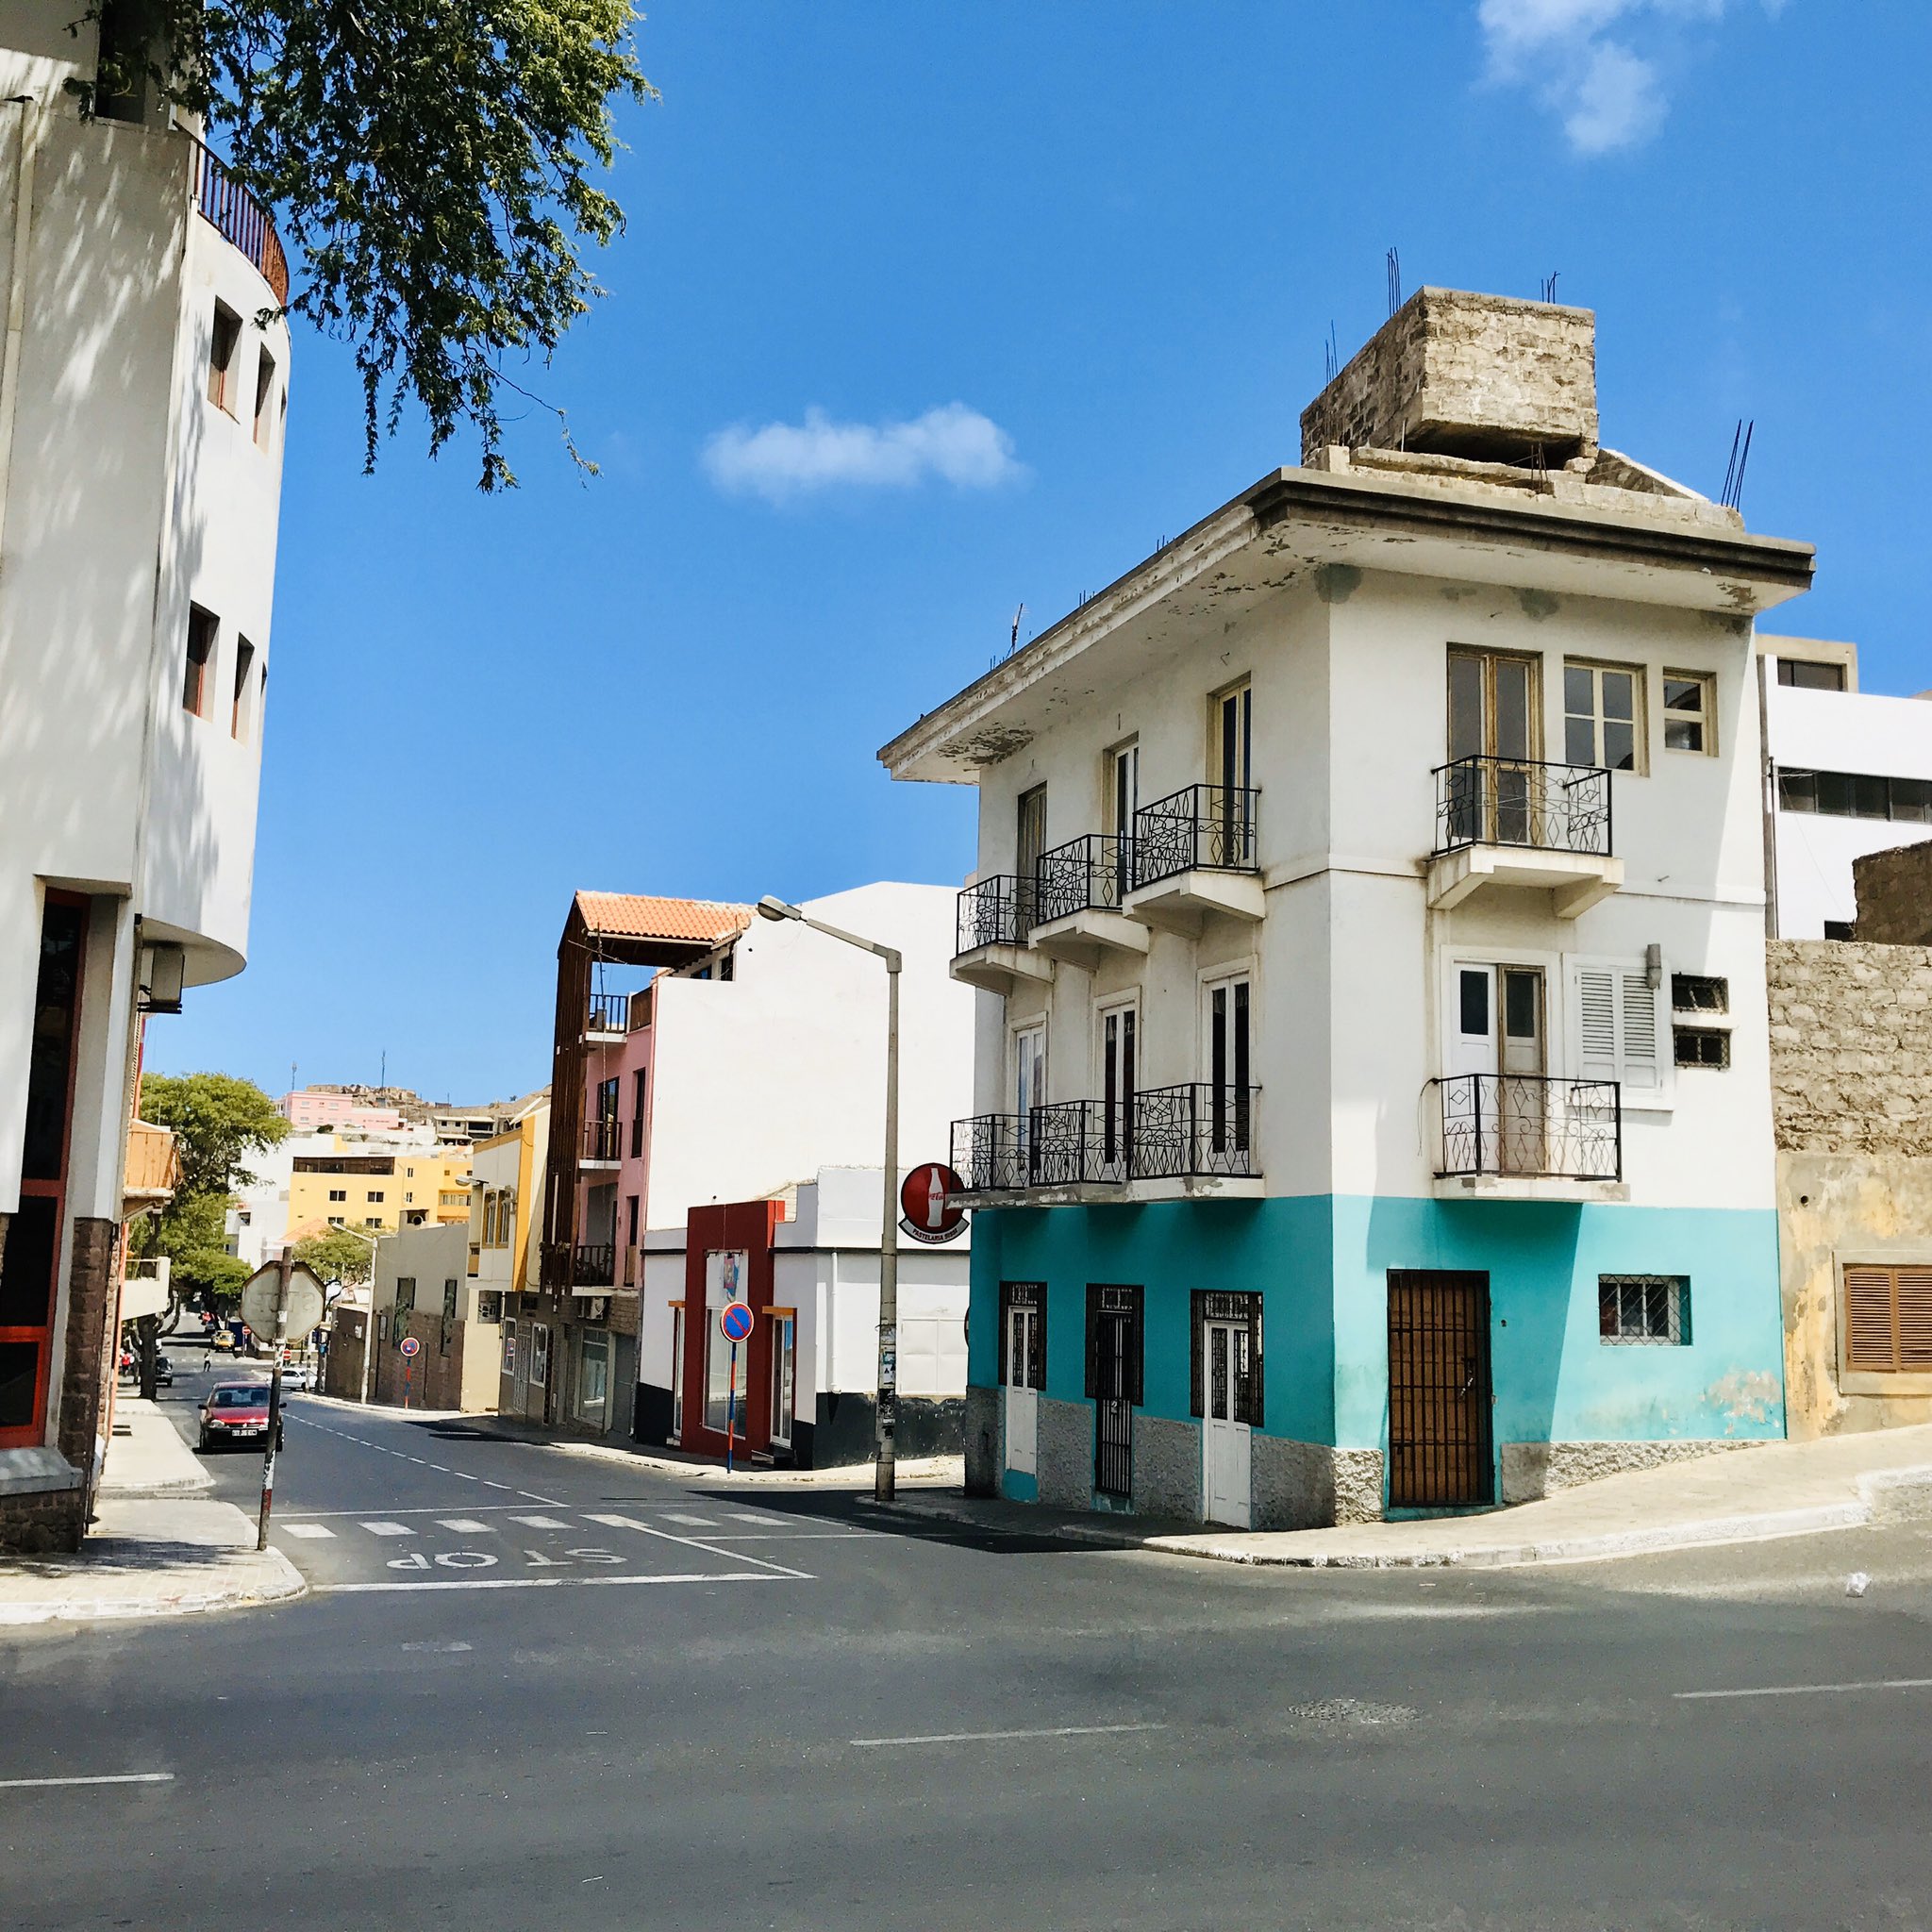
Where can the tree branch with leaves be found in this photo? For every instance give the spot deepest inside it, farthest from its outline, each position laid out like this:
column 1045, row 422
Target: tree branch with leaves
column 434, row 165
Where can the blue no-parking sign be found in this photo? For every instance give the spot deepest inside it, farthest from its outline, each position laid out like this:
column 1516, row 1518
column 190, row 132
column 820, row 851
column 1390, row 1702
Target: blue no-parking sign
column 735, row 1320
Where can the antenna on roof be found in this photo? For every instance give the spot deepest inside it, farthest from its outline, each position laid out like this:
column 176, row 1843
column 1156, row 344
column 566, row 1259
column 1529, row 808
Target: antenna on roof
column 1014, row 641
column 1732, row 494
column 1395, row 280
column 1331, row 357
column 1550, row 286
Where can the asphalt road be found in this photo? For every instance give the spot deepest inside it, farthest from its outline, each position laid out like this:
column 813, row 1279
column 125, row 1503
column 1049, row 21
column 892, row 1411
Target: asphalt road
column 535, row 1690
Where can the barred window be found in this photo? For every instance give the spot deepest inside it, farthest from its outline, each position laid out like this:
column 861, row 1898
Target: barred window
column 1701, row 1047
column 1644, row 1308
column 1699, row 992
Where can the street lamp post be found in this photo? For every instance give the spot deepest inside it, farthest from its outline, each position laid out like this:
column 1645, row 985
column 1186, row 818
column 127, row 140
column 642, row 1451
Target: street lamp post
column 885, row 1472
column 369, row 1319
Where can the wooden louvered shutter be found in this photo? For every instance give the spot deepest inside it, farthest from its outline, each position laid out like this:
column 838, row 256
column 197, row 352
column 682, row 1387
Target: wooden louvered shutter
column 1912, row 1291
column 1871, row 1326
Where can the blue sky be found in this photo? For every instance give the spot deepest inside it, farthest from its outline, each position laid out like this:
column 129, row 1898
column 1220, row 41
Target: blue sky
column 1115, row 238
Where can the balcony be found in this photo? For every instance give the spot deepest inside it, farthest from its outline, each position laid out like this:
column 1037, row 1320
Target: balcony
column 1193, row 855
column 1078, row 889
column 1166, row 1142
column 594, row 1265
column 993, row 921
column 153, row 1169
column 1518, row 1136
column 607, row 1020
column 227, row 206
column 601, row 1145
column 1517, row 822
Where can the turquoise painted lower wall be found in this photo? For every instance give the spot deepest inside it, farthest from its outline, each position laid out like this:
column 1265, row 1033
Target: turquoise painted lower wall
column 1322, row 1262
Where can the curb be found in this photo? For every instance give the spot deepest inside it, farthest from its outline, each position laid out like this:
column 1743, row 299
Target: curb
column 919, row 1509
column 75, row 1609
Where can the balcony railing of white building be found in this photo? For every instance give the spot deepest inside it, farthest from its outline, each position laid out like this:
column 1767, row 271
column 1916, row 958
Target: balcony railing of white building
column 998, row 911
column 1492, row 801
column 1192, row 1130
column 1529, row 1126
column 223, row 201
column 1198, row 828
column 1089, row 873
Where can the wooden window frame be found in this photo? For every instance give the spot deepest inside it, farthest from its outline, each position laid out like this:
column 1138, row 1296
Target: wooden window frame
column 1639, row 721
column 224, row 345
column 241, row 723
column 203, row 649
column 265, row 393
column 1706, row 719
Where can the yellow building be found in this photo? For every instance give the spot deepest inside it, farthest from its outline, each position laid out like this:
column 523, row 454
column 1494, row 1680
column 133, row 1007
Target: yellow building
column 506, row 1191
column 379, row 1190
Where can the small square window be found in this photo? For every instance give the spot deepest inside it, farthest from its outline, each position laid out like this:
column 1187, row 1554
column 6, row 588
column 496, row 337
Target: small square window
column 1699, row 992
column 1804, row 674
column 1603, row 716
column 1702, row 1046
column 1797, row 791
column 1652, row 1309
column 1841, row 929
column 1689, row 712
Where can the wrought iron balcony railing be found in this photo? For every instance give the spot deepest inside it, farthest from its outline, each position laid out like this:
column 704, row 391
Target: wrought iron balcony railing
column 990, row 1153
column 594, row 1265
column 1095, row 871
column 608, row 1012
column 241, row 218
column 1069, row 1142
column 1531, row 1126
column 1198, row 828
column 1198, row 1128
column 1485, row 801
column 996, row 912
column 603, row 1139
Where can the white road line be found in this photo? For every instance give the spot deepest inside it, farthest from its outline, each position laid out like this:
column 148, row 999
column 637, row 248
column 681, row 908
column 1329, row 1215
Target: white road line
column 692, row 1522
column 124, row 1778
column 421, row 1510
column 690, row 1542
column 1808, row 1689
column 549, row 1582
column 387, row 1528
column 468, row 1524
column 746, row 1516
column 1003, row 1737
column 489, row 1485
column 796, row 1536
column 309, row 1529
column 544, row 1522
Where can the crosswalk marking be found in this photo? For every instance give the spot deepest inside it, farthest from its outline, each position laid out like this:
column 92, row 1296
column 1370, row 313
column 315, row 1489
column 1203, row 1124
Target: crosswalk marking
column 692, row 1522
column 307, row 1529
column 543, row 1522
column 748, row 1516
column 692, row 1542
column 388, row 1529
column 468, row 1524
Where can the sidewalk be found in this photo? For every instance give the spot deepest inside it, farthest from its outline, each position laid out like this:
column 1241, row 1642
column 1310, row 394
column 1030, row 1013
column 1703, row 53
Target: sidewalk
column 1743, row 1495
column 160, row 1546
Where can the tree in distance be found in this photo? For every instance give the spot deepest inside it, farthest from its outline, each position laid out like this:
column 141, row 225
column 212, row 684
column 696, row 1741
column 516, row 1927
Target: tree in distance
column 336, row 1255
column 432, row 164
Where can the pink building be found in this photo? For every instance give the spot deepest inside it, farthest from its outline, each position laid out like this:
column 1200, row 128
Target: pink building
column 311, row 1110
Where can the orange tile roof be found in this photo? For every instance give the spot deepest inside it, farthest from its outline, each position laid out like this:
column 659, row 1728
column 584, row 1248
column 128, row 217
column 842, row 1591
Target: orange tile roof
column 637, row 916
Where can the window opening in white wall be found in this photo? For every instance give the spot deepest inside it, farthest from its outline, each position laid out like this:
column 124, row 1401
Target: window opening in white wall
column 1701, row 1047
column 223, row 344
column 1644, row 1308
column 1689, row 712
column 1603, row 716
column 1807, row 675
column 264, row 390
column 1699, row 992
column 1230, row 1061
column 244, row 664
column 196, row 676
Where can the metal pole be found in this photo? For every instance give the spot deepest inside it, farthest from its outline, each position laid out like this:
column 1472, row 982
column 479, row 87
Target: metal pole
column 731, row 1410
column 275, row 1400
column 886, row 1479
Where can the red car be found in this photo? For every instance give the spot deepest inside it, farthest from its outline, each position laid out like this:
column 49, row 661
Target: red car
column 236, row 1412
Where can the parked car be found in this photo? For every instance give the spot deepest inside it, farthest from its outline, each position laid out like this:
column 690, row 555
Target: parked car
column 236, row 1412
column 297, row 1376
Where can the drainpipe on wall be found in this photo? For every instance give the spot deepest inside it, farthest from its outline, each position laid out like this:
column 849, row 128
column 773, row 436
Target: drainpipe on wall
column 30, row 128
column 1768, row 794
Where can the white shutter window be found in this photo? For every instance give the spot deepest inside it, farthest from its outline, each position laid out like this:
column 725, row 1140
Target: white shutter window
column 1596, row 1019
column 1615, row 1028
column 1639, row 1014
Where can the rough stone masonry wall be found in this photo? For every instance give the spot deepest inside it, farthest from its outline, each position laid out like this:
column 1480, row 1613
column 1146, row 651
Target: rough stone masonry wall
column 1851, row 1069
column 1466, row 374
column 1895, row 895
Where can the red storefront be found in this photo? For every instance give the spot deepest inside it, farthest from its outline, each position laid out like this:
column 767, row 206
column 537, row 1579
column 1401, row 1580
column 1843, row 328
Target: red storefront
column 729, row 1254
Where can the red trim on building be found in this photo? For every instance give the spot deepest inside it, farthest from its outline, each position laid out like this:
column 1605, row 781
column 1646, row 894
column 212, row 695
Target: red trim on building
column 753, row 1226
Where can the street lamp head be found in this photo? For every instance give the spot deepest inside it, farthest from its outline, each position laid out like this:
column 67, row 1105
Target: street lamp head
column 769, row 908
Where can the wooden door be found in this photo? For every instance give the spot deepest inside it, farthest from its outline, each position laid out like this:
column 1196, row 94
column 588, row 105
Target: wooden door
column 1438, row 1389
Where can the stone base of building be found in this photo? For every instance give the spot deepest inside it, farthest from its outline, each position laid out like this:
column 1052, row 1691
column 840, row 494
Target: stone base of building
column 43, row 1503
column 1533, row 1470
column 982, row 1442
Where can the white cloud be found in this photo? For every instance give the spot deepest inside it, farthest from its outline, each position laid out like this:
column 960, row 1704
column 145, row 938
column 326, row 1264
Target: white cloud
column 781, row 460
column 1607, row 93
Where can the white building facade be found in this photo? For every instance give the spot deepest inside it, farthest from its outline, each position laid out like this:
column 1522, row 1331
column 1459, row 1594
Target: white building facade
column 1370, row 1073
column 141, row 414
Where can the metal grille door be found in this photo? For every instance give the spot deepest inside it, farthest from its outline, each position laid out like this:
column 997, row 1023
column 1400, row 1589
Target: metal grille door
column 1439, row 1389
column 1113, row 1436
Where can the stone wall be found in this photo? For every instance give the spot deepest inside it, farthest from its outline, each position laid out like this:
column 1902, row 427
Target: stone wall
column 88, row 1368
column 1466, row 374
column 1894, row 895
column 983, row 1444
column 42, row 1523
column 1851, row 1069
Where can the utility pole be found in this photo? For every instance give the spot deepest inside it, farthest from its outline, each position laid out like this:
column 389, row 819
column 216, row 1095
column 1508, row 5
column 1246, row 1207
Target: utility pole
column 275, row 1400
